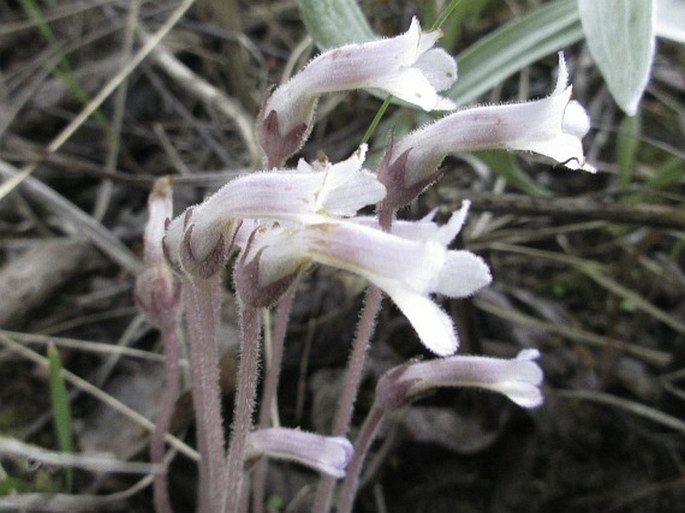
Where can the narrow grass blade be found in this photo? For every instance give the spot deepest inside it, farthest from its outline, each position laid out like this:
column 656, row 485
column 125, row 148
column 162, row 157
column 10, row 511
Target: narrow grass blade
column 61, row 411
column 335, row 22
column 627, row 144
column 63, row 70
column 597, row 272
column 670, row 173
column 514, row 46
column 504, row 164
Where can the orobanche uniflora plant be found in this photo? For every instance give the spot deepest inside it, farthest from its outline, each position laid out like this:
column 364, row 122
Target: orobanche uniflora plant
column 281, row 221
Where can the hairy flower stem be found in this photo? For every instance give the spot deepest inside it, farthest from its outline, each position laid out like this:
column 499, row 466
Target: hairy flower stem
column 353, row 378
column 244, row 406
column 169, row 397
column 368, row 431
column 202, row 303
column 271, row 379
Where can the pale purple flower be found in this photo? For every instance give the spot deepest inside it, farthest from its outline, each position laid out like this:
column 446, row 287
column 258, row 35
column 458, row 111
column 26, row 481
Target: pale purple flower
column 406, row 66
column 327, row 454
column 552, row 126
column 311, row 193
column 407, row 268
column 519, row 378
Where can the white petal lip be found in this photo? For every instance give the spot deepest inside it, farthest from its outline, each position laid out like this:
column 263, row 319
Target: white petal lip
column 462, row 274
column 424, row 229
column 347, row 187
column 433, row 326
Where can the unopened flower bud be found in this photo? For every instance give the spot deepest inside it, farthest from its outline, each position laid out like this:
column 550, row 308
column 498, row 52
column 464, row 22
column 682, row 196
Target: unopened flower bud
column 157, row 292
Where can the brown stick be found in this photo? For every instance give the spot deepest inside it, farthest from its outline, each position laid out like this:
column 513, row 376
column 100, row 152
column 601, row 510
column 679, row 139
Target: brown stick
column 644, row 214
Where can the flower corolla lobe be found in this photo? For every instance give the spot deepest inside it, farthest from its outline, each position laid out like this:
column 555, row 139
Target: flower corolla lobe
column 409, row 269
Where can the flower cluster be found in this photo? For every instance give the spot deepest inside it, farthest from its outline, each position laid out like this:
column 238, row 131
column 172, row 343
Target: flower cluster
column 282, row 220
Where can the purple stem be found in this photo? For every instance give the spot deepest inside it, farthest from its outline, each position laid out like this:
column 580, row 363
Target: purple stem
column 368, row 431
column 202, row 304
column 271, row 380
column 244, row 406
column 353, row 378
column 169, row 397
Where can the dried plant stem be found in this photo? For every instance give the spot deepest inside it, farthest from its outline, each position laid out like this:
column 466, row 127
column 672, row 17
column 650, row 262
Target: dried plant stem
column 353, row 378
column 368, row 431
column 207, row 93
column 171, row 391
column 244, row 406
column 106, row 188
column 202, row 303
column 79, row 222
column 97, row 393
column 104, row 93
column 271, row 379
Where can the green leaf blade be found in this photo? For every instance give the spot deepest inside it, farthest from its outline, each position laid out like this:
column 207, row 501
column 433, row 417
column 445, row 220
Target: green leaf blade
column 61, row 409
column 514, row 46
column 621, row 37
column 333, row 23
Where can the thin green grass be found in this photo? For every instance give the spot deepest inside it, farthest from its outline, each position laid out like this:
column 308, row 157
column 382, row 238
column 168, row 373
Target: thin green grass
column 63, row 69
column 61, row 411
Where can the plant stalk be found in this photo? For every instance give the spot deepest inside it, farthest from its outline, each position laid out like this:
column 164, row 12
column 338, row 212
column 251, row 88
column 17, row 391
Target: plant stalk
column 244, row 406
column 169, row 397
column 271, row 380
column 353, row 378
column 202, row 304
column 368, row 431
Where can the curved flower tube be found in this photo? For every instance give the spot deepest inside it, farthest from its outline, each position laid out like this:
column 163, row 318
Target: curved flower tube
column 406, row 66
column 552, row 126
column 518, row 378
column 407, row 269
column 327, row 454
column 311, row 193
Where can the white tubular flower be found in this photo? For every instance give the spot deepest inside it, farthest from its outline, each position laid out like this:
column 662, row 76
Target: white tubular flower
column 519, row 378
column 552, row 126
column 327, row 454
column 407, row 66
column 407, row 269
column 311, row 193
